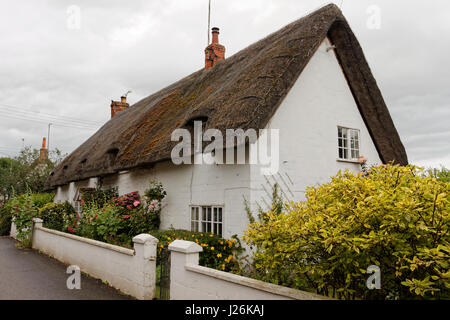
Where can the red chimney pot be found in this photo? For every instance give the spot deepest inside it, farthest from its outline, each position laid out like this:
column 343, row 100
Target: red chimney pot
column 215, row 51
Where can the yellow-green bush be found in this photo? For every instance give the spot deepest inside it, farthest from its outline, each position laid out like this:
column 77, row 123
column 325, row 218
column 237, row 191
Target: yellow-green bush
column 393, row 217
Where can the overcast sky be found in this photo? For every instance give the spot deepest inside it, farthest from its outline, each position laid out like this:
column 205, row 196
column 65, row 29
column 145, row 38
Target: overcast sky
column 54, row 69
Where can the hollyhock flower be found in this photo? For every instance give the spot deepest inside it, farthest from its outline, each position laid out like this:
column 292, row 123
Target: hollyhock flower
column 125, row 217
column 70, row 229
column 136, row 203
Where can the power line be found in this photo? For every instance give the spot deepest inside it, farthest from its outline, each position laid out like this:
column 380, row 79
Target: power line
column 43, row 114
column 56, row 123
column 47, row 119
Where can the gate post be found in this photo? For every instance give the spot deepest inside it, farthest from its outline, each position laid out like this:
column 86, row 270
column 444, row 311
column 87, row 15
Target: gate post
column 145, row 265
column 182, row 253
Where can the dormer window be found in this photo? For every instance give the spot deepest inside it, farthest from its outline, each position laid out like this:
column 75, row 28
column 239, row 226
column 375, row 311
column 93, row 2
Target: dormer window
column 348, row 144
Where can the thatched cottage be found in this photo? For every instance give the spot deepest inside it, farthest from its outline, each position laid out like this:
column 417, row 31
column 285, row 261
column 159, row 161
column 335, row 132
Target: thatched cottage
column 310, row 80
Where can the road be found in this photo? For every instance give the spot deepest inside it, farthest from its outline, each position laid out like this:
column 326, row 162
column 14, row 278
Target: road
column 26, row 274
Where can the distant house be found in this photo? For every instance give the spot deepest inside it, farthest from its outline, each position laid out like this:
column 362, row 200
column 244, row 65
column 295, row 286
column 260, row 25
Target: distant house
column 310, row 80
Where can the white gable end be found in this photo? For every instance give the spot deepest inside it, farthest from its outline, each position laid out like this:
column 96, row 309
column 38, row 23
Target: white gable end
column 308, row 121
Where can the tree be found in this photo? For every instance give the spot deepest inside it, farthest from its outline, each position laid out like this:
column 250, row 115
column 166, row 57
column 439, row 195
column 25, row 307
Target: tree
column 442, row 174
column 392, row 217
column 26, row 171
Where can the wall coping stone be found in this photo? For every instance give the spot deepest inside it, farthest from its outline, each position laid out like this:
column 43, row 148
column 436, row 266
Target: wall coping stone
column 256, row 284
column 100, row 244
column 185, row 246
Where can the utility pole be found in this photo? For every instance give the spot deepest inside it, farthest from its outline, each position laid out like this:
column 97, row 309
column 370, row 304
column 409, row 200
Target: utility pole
column 48, row 137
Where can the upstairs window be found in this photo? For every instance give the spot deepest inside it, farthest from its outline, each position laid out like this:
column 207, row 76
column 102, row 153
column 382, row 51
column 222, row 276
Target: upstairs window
column 208, row 219
column 348, row 144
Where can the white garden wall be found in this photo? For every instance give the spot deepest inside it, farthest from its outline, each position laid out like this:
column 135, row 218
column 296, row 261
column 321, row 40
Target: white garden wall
column 189, row 281
column 131, row 271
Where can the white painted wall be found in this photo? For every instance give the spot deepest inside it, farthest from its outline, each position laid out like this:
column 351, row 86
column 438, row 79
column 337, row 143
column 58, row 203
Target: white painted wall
column 189, row 281
column 131, row 271
column 308, row 118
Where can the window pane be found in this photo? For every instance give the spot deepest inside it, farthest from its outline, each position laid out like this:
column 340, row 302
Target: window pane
column 345, row 155
column 215, row 214
column 220, row 230
column 203, row 227
column 192, row 213
column 220, row 215
column 215, row 228
column 209, row 214
column 204, row 214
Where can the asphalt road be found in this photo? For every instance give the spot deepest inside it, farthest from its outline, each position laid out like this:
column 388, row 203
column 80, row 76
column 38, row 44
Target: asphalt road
column 26, row 274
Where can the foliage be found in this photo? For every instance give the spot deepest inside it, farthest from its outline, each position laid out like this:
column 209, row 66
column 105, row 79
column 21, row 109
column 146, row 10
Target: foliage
column 393, row 217
column 277, row 206
column 218, row 253
column 105, row 224
column 24, row 208
column 54, row 215
column 24, row 211
column 5, row 219
column 97, row 197
column 442, row 174
column 155, row 191
column 26, row 172
column 116, row 220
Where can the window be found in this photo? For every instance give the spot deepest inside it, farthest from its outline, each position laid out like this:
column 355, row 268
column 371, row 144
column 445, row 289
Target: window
column 77, row 202
column 348, row 143
column 207, row 219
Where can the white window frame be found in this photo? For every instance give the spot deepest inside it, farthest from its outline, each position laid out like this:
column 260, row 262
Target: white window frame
column 351, row 148
column 200, row 220
column 77, row 202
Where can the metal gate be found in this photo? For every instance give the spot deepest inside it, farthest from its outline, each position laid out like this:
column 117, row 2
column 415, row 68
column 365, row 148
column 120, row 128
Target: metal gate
column 163, row 281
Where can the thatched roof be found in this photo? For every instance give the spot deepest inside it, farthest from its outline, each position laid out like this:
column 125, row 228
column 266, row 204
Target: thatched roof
column 242, row 91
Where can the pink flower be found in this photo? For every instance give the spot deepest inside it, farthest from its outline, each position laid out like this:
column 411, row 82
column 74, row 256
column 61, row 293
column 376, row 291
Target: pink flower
column 70, row 229
column 136, row 203
column 125, row 217
column 361, row 159
column 128, row 205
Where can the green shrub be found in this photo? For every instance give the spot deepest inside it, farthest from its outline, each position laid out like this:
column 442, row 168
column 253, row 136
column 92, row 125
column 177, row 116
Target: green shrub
column 97, row 197
column 5, row 220
column 41, row 199
column 24, row 208
column 218, row 253
column 392, row 217
column 54, row 215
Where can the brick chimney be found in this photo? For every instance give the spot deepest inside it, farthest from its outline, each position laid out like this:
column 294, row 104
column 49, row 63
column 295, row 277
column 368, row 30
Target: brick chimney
column 215, row 51
column 117, row 106
column 43, row 151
